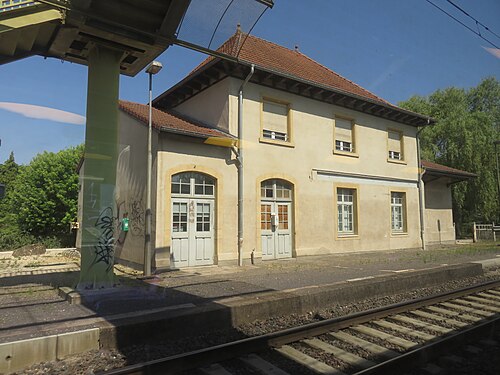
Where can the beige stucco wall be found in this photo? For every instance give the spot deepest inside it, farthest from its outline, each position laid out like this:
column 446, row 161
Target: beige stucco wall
column 183, row 154
column 210, row 106
column 313, row 144
column 438, row 206
column 131, row 188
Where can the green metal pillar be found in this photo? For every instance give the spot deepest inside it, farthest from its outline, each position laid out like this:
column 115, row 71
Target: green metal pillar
column 99, row 221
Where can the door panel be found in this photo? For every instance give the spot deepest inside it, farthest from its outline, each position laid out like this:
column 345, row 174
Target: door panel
column 180, row 235
column 203, row 234
column 283, row 232
column 267, row 246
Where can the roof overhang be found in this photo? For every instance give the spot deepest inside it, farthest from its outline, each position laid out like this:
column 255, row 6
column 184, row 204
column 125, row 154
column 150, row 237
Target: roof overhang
column 431, row 174
column 218, row 69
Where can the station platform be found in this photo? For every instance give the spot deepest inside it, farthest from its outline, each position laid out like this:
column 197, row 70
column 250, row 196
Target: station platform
column 42, row 315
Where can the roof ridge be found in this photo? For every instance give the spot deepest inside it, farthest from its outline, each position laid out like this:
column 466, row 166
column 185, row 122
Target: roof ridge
column 316, row 63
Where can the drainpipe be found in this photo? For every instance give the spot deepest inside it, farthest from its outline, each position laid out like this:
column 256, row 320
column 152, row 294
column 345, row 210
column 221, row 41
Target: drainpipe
column 240, row 166
column 421, row 190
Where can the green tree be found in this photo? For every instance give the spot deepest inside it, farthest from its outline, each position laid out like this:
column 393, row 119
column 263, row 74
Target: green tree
column 467, row 124
column 9, row 230
column 46, row 193
column 8, row 171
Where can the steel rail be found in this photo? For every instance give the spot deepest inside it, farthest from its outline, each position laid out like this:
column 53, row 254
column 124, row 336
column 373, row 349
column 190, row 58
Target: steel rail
column 434, row 349
column 223, row 352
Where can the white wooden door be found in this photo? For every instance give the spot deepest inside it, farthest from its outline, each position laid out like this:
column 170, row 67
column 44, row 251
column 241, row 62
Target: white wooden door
column 192, row 232
column 276, row 231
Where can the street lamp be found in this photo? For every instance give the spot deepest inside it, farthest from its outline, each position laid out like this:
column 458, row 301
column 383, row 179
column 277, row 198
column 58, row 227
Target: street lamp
column 153, row 68
column 497, row 142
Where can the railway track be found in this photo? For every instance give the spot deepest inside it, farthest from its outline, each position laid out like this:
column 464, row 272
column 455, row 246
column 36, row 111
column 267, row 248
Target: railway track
column 379, row 341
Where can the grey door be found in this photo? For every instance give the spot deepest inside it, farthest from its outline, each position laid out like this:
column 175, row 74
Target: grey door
column 192, row 220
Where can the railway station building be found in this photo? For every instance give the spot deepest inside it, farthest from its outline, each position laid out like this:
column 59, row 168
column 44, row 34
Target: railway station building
column 328, row 167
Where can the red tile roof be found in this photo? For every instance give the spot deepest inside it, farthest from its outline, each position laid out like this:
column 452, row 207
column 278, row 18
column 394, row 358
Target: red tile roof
column 169, row 121
column 435, row 167
column 271, row 56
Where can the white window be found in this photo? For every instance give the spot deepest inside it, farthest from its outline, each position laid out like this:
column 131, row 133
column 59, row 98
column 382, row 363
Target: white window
column 275, row 124
column 346, row 204
column 194, row 184
column 398, row 212
column 395, row 139
column 344, row 140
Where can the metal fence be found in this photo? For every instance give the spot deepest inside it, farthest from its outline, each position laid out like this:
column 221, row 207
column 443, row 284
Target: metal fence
column 485, row 232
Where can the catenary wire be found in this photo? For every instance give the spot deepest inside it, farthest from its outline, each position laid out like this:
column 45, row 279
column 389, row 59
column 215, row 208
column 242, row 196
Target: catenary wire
column 477, row 22
column 463, row 24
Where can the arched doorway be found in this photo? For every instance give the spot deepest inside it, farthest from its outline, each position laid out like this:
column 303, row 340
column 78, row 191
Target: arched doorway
column 276, row 219
column 192, row 220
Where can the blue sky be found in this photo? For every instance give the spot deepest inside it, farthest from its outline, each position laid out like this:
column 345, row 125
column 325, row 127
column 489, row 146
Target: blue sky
column 393, row 48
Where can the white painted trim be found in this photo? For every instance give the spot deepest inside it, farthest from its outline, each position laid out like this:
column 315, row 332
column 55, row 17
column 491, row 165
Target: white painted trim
column 363, row 180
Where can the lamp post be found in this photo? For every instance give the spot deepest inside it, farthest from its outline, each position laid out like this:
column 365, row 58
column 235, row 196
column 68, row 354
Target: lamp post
column 153, row 68
column 497, row 142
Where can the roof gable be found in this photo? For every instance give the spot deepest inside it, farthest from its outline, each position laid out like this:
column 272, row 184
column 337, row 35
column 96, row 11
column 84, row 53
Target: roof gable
column 287, row 70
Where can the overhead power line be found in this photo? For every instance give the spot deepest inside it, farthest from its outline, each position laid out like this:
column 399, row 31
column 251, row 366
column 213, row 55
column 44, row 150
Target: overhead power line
column 463, row 24
column 475, row 20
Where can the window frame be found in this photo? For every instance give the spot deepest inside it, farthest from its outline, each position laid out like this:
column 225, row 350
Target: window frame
column 193, row 185
column 401, row 159
column 289, row 141
column 404, row 210
column 353, row 152
column 340, row 234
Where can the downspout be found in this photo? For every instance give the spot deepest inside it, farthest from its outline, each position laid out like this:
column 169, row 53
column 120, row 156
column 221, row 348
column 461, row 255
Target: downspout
column 240, row 166
column 421, row 190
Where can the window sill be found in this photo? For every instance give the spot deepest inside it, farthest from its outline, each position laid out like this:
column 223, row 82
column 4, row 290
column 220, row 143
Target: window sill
column 347, row 236
column 396, row 161
column 346, row 153
column 276, row 142
column 399, row 234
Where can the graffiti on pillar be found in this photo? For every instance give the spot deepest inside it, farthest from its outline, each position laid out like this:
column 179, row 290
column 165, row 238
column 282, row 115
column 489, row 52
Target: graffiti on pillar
column 136, row 216
column 104, row 249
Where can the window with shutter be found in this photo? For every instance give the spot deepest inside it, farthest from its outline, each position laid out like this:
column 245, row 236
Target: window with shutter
column 395, row 139
column 344, row 140
column 275, row 121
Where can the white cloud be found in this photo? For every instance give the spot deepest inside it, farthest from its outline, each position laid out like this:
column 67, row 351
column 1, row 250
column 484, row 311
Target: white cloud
column 494, row 51
column 44, row 113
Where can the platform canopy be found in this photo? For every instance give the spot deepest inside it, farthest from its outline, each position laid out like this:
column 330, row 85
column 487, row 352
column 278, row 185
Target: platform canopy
column 141, row 29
